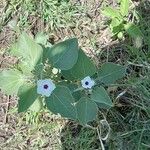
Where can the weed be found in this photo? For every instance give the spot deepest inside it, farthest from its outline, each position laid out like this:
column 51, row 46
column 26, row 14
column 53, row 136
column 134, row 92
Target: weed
column 129, row 119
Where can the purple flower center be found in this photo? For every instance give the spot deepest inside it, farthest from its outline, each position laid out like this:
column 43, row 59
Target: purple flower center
column 45, row 86
column 86, row 83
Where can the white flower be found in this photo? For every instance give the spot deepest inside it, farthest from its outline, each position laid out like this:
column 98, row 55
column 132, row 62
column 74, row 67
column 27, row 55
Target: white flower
column 45, row 87
column 87, row 83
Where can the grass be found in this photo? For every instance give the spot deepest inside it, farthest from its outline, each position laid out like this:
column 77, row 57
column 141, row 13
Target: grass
column 129, row 119
column 30, row 14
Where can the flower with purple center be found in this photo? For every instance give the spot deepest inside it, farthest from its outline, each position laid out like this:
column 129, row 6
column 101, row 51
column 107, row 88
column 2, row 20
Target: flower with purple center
column 87, row 83
column 45, row 87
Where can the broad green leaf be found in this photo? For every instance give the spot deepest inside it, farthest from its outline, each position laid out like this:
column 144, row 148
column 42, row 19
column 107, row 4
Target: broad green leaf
column 41, row 38
column 100, row 96
column 84, row 67
column 76, row 94
column 10, row 81
column 48, row 44
column 25, row 68
column 46, row 50
column 63, row 55
column 73, row 87
column 37, row 105
column 115, row 22
column 27, row 96
column 38, row 71
column 110, row 72
column 116, row 29
column 86, row 110
column 124, row 7
column 45, row 56
column 29, row 50
column 110, row 12
column 15, row 51
column 133, row 30
column 62, row 102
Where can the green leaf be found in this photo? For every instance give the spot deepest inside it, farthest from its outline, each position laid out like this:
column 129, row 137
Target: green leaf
column 62, row 102
column 116, row 25
column 86, row 110
column 15, row 51
column 116, row 29
column 29, row 50
column 110, row 72
column 84, row 67
column 25, row 68
column 76, row 94
column 133, row 30
column 124, row 7
column 120, row 35
column 115, row 22
column 37, row 105
column 110, row 12
column 11, row 80
column 38, row 71
column 27, row 96
column 41, row 38
column 72, row 87
column 100, row 96
column 63, row 55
